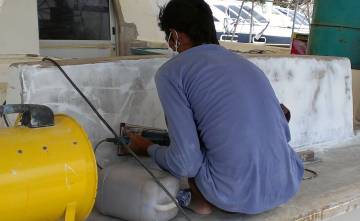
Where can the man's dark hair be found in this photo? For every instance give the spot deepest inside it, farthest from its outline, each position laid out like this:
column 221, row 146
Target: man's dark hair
column 192, row 17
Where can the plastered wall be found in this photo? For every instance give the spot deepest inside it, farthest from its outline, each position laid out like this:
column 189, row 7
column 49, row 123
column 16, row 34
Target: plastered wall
column 356, row 94
column 7, row 79
column 143, row 13
column 3, row 87
column 318, row 91
column 19, row 27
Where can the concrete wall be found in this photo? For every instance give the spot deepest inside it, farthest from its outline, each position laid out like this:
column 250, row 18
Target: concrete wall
column 1, row 4
column 144, row 14
column 19, row 27
column 249, row 48
column 356, row 94
column 4, row 66
column 7, row 79
column 3, row 87
column 316, row 89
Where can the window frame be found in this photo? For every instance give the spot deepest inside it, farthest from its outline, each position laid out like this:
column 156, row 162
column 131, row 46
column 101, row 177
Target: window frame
column 84, row 43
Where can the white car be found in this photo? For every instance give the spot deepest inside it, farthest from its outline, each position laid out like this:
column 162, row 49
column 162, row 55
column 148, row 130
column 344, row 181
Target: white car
column 270, row 25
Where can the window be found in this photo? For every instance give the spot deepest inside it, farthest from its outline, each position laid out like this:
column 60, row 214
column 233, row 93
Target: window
column 232, row 14
column 74, row 19
column 243, row 14
column 257, row 15
column 276, row 12
column 299, row 20
column 290, row 14
column 221, row 8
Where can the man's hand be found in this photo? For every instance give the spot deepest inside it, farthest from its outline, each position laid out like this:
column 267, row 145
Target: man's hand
column 286, row 112
column 139, row 144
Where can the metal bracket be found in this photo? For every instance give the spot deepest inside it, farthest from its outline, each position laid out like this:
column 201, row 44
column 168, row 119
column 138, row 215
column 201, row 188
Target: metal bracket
column 33, row 115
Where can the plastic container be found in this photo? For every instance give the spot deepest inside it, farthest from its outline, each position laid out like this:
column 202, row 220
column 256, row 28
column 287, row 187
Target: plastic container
column 128, row 192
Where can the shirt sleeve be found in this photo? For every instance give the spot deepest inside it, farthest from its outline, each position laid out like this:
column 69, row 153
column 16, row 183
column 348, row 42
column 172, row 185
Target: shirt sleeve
column 183, row 158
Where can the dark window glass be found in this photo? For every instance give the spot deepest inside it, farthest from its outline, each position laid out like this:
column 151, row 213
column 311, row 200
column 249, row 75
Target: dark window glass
column 258, row 16
column 74, row 19
column 242, row 14
column 300, row 19
column 232, row 14
column 221, row 7
column 282, row 11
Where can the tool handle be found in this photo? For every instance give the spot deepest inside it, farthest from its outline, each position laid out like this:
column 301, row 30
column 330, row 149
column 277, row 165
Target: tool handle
column 33, row 115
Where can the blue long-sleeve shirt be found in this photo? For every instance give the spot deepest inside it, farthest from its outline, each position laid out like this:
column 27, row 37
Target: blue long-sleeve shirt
column 227, row 130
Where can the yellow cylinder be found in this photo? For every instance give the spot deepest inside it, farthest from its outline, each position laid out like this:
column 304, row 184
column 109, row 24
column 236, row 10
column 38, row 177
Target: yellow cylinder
column 47, row 174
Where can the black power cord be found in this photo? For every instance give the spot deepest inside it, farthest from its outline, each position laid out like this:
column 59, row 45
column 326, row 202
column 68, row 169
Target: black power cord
column 109, row 140
column 5, row 118
column 96, row 147
column 117, row 140
column 313, row 174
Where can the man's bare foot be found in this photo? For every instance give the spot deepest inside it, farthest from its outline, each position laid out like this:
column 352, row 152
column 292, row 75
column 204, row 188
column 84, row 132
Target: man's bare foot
column 198, row 203
column 200, row 207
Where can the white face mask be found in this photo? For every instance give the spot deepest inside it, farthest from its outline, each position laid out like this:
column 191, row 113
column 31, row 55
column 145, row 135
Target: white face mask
column 177, row 44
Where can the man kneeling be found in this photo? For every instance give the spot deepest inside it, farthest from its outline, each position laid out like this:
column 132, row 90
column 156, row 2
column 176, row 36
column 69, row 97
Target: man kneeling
column 228, row 133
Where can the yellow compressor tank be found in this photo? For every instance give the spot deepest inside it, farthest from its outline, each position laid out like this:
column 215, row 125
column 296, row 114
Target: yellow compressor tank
column 47, row 167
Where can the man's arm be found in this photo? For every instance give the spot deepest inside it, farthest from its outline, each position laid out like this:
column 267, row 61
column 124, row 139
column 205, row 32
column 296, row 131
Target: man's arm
column 183, row 157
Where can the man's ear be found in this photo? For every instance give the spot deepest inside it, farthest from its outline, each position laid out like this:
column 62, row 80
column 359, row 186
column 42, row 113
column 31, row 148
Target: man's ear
column 182, row 37
column 185, row 40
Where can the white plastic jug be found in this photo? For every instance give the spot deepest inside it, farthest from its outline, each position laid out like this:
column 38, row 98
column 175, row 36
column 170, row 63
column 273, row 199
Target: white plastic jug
column 128, row 192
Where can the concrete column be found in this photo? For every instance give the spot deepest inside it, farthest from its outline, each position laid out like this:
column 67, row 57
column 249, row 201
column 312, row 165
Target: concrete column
column 19, row 27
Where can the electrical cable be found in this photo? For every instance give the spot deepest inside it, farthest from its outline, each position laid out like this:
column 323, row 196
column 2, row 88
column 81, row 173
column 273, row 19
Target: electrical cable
column 96, row 147
column 98, row 144
column 118, row 140
column 314, row 174
column 5, row 118
column 6, row 121
column 109, row 140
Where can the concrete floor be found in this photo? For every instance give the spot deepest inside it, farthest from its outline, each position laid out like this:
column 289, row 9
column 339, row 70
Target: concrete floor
column 334, row 192
column 352, row 216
